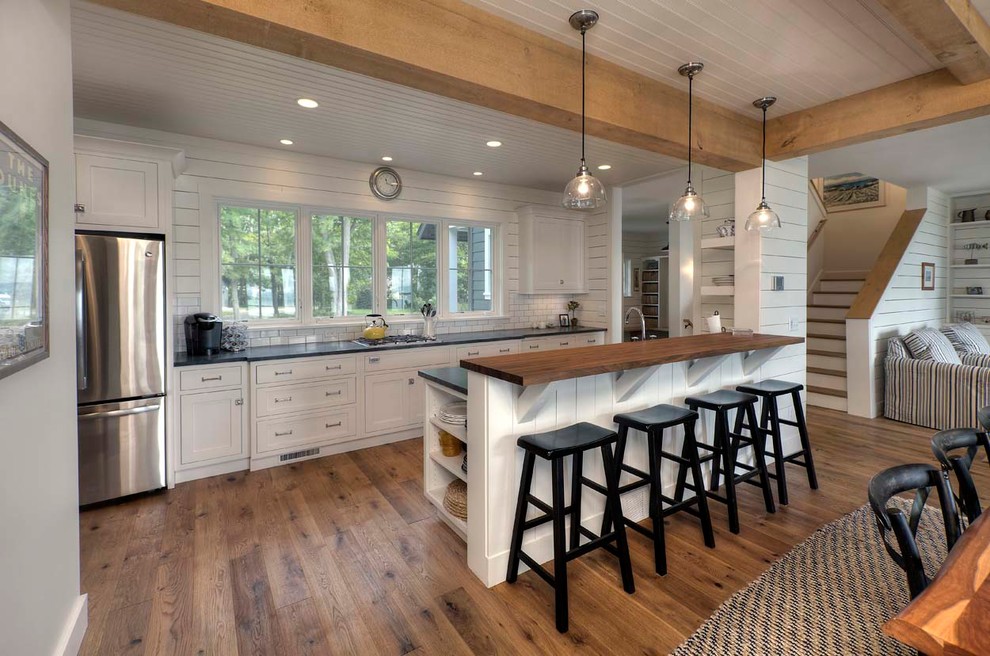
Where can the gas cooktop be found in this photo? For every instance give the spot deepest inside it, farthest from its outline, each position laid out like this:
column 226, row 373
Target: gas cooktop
column 393, row 340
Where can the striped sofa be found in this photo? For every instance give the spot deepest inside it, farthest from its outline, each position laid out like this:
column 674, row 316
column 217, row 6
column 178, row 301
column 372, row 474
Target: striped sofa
column 937, row 395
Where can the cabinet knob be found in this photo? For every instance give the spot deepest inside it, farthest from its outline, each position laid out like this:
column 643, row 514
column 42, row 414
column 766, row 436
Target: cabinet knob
column 373, row 360
column 239, row 402
column 561, row 282
column 79, row 207
column 412, row 381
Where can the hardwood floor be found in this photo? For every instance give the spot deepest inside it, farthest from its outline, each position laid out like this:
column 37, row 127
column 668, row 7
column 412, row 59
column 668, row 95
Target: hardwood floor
column 344, row 555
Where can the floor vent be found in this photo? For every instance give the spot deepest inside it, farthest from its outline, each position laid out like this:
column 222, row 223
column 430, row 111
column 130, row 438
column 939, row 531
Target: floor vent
column 298, row 454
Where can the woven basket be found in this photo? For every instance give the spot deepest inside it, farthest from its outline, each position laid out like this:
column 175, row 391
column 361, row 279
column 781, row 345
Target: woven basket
column 449, row 445
column 455, row 499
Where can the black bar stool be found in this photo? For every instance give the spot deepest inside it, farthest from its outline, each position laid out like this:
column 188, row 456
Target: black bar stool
column 653, row 421
column 770, row 421
column 555, row 446
column 724, row 452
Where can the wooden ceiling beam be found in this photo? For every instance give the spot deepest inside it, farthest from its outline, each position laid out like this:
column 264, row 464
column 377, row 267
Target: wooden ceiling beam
column 453, row 49
column 952, row 30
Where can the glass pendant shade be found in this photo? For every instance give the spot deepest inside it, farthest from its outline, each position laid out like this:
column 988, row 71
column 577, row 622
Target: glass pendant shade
column 689, row 206
column 584, row 192
column 763, row 219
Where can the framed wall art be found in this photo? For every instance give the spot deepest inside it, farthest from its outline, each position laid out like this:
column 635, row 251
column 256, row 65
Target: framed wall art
column 927, row 276
column 23, row 254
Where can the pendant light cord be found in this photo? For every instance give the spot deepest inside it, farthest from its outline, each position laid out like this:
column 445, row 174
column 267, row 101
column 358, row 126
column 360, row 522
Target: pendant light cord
column 690, row 121
column 583, row 64
column 763, row 183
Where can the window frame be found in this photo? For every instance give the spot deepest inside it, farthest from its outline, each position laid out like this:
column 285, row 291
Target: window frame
column 309, row 212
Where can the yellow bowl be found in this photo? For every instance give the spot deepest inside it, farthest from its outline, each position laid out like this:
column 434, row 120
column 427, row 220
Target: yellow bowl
column 374, row 332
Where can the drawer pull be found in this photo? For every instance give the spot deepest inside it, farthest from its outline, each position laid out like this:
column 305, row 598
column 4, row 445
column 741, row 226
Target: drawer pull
column 339, row 366
column 504, row 350
column 336, row 425
column 592, row 341
column 534, row 346
column 564, row 343
column 284, row 373
column 337, row 393
column 288, row 432
column 285, row 400
column 473, row 352
column 205, row 379
column 373, row 360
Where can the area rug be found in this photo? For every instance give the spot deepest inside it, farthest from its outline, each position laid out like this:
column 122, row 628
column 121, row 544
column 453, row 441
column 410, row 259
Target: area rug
column 830, row 595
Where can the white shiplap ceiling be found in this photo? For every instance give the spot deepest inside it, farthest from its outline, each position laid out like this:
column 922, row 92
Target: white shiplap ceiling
column 806, row 52
column 136, row 71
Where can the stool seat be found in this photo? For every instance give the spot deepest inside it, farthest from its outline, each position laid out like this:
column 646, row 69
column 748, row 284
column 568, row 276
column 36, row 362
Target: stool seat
column 566, row 441
column 722, row 399
column 771, row 387
column 659, row 416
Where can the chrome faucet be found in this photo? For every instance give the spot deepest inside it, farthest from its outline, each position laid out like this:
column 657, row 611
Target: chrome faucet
column 642, row 321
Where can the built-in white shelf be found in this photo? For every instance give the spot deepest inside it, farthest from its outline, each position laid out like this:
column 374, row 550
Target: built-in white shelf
column 971, row 296
column 971, row 224
column 460, row 432
column 716, row 290
column 719, row 242
column 450, row 463
column 970, row 266
column 436, row 498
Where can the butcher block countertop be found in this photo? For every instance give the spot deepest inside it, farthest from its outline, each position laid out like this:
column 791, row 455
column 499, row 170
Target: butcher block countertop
column 548, row 366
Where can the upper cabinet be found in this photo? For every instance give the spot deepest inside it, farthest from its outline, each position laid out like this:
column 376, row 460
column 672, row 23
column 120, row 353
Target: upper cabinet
column 551, row 251
column 124, row 186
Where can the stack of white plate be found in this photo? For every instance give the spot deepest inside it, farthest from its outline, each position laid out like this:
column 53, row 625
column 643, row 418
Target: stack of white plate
column 724, row 281
column 454, row 414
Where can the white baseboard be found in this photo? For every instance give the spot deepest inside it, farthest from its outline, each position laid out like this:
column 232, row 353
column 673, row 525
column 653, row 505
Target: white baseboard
column 75, row 628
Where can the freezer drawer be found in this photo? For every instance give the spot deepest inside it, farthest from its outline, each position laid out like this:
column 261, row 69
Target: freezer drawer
column 121, row 449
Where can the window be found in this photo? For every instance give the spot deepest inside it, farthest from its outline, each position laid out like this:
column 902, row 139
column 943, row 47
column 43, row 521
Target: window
column 257, row 263
column 299, row 265
column 343, row 266
column 411, row 266
column 469, row 268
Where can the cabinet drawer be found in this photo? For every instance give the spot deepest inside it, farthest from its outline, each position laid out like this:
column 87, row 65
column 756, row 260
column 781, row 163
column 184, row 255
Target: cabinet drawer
column 298, row 398
column 486, row 350
column 290, row 371
column 213, row 378
column 534, row 345
column 415, row 357
column 589, row 339
column 278, row 434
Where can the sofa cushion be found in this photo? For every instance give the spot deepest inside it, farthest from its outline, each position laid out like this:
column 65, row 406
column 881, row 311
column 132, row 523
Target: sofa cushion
column 966, row 338
column 930, row 344
column 896, row 348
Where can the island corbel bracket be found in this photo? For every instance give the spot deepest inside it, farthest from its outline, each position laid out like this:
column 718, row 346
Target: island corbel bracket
column 756, row 359
column 530, row 400
column 700, row 369
column 628, row 382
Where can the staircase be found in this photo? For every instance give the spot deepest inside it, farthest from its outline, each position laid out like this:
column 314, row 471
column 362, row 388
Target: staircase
column 830, row 300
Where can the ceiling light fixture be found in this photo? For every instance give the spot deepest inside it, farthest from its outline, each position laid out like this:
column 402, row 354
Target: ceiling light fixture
column 494, row 143
column 690, row 205
column 763, row 218
column 286, row 142
column 604, row 167
column 308, row 103
column 478, row 173
column 585, row 191
column 386, row 158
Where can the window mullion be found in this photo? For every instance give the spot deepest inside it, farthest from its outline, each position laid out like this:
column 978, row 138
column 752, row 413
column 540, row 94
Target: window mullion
column 304, row 266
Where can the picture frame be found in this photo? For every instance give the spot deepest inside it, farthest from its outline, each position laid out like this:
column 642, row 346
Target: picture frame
column 974, row 291
column 635, row 280
column 927, row 276
column 564, row 320
column 851, row 191
column 24, row 330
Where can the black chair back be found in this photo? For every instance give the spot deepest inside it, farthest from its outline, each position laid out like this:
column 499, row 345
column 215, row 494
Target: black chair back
column 920, row 479
column 969, row 442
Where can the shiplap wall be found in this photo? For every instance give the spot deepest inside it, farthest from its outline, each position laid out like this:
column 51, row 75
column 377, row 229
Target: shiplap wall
column 718, row 190
column 246, row 173
column 904, row 306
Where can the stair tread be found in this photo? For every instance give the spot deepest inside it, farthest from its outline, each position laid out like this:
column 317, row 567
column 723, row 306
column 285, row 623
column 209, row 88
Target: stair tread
column 831, row 354
column 821, row 336
column 819, row 305
column 833, row 279
column 813, row 389
column 826, row 372
column 826, row 320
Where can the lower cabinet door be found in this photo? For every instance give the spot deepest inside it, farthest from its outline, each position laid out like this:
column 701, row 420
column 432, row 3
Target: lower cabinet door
column 212, row 426
column 281, row 434
column 393, row 401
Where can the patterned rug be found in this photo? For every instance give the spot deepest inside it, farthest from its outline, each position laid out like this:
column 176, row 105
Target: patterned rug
column 830, row 595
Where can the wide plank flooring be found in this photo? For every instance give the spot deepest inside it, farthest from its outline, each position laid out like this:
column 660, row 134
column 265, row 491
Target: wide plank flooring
column 344, row 555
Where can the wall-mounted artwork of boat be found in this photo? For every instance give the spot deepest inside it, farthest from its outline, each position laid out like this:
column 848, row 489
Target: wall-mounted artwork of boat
column 851, row 191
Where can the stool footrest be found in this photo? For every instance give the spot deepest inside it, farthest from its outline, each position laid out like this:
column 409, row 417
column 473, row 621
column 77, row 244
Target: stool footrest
column 635, row 485
column 539, row 503
column 538, row 568
column 600, row 541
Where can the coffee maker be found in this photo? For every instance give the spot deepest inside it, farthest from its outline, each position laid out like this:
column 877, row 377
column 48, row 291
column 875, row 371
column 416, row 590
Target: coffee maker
column 203, row 332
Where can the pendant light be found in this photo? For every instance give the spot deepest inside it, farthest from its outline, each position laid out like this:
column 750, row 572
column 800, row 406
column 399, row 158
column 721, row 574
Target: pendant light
column 585, row 191
column 690, row 205
column 763, row 218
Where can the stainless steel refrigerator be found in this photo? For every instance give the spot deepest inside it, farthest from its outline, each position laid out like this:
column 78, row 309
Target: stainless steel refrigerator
column 120, row 364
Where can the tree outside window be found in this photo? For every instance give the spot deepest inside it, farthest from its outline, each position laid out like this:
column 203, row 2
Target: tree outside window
column 411, row 259
column 257, row 263
column 469, row 268
column 343, row 266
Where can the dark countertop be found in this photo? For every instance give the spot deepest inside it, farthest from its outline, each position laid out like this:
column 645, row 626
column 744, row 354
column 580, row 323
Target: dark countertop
column 316, row 349
column 546, row 367
column 453, row 377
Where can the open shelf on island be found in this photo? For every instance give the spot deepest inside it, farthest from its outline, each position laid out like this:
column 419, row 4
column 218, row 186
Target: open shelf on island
column 460, row 432
column 436, row 498
column 718, row 242
column 716, row 290
column 450, row 463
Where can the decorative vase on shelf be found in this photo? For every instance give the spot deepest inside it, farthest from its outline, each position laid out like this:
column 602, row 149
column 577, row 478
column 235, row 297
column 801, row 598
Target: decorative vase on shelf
column 727, row 228
column 967, row 216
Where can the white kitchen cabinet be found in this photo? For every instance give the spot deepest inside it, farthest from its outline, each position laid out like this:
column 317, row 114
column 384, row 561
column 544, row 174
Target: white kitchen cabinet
column 551, row 252
column 118, row 192
column 486, row 350
column 212, row 427
column 393, row 401
column 554, row 342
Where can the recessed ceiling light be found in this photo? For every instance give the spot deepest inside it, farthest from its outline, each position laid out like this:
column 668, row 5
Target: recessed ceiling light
column 308, row 103
column 604, row 167
column 477, row 173
column 386, row 158
column 494, row 143
column 285, row 142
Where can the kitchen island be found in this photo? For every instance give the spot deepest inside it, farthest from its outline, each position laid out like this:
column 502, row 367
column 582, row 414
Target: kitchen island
column 513, row 395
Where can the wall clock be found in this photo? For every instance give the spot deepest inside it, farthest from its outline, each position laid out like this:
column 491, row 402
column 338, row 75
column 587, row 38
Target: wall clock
column 385, row 183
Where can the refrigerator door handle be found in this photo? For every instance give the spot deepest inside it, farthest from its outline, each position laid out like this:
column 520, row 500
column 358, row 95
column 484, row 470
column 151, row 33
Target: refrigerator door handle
column 82, row 357
column 120, row 413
